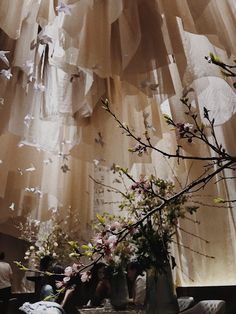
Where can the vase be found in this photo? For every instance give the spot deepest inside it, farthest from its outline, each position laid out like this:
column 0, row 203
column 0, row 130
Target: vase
column 160, row 296
column 119, row 290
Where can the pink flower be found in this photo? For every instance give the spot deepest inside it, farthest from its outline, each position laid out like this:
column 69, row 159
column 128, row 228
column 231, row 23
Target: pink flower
column 116, row 226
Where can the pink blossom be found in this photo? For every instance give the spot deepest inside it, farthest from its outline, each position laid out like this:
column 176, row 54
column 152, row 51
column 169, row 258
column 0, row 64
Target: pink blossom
column 116, row 225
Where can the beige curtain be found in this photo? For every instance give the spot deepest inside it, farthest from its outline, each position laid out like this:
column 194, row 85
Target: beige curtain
column 141, row 55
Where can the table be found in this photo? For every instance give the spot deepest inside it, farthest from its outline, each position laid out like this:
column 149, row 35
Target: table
column 101, row 310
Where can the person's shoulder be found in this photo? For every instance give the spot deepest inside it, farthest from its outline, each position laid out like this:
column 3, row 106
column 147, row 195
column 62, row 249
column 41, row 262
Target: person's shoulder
column 5, row 265
column 142, row 277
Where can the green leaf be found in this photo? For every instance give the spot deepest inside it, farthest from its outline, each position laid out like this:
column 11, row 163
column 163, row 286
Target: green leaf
column 202, row 126
column 60, row 290
column 74, row 245
column 218, row 200
column 49, row 298
column 85, row 247
column 21, row 266
column 74, row 254
column 101, row 219
column 214, row 58
column 88, row 253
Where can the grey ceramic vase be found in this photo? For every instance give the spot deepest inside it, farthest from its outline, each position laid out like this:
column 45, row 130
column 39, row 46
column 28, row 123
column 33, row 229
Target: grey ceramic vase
column 160, row 296
column 119, row 290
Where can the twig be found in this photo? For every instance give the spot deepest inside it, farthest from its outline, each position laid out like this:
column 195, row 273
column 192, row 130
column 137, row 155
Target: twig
column 192, row 234
column 192, row 250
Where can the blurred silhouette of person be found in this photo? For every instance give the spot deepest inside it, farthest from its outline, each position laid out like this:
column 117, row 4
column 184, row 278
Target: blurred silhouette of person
column 44, row 287
column 100, row 287
column 76, row 292
column 136, row 278
column 5, row 283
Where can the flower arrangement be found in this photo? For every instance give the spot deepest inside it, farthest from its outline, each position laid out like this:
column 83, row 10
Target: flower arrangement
column 144, row 230
column 47, row 238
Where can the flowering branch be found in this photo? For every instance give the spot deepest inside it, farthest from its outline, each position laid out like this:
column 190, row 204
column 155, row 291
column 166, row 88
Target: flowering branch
column 184, row 132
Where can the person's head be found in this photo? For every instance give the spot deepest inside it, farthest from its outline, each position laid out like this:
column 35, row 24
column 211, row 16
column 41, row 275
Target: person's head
column 98, row 271
column 2, row 256
column 133, row 270
column 45, row 262
column 57, row 269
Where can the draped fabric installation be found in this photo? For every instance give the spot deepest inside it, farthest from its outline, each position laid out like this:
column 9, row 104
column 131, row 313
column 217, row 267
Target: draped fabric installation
column 141, row 55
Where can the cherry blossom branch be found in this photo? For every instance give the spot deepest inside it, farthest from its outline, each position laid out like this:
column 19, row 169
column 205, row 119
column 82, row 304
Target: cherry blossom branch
column 186, row 189
column 145, row 145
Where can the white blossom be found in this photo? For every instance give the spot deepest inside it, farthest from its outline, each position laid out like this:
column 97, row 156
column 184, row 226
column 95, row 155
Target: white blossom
column 85, row 276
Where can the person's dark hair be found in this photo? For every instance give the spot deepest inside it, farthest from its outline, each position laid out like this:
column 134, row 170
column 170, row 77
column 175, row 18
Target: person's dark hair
column 2, row 255
column 45, row 262
column 58, row 269
column 95, row 269
column 137, row 266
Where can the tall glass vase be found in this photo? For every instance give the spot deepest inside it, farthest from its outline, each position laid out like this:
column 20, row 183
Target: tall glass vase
column 160, row 296
column 119, row 290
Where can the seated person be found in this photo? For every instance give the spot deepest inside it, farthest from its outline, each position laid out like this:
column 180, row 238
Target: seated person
column 48, row 283
column 137, row 284
column 100, row 288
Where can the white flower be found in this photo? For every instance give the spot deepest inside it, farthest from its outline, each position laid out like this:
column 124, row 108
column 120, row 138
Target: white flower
column 68, row 271
column 112, row 239
column 188, row 125
column 32, row 248
column 66, row 279
column 27, row 253
column 85, row 276
column 55, row 244
column 54, row 254
column 99, row 241
column 117, row 260
column 26, row 257
column 37, row 222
